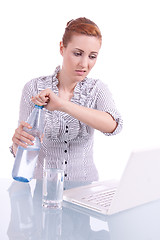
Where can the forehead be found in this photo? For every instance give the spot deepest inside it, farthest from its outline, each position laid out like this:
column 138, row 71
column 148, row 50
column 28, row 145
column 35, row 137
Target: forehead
column 85, row 43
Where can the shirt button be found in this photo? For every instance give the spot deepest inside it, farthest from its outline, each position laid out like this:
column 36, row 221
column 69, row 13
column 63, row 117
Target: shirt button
column 65, row 162
column 65, row 151
column 65, row 174
column 65, row 141
column 66, row 131
column 66, row 126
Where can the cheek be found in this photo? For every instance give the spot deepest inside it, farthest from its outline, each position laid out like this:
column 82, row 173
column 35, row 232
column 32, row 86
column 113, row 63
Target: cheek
column 92, row 63
column 70, row 60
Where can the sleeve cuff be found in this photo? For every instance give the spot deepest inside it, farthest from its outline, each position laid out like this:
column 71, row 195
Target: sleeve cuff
column 11, row 150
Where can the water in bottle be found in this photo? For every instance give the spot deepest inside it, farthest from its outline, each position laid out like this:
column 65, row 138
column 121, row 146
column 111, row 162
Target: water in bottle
column 26, row 158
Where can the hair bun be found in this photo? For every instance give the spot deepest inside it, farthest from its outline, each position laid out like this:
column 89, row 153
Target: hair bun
column 68, row 23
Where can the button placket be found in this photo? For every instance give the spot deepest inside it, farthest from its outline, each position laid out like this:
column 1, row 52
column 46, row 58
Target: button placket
column 66, row 129
column 66, row 150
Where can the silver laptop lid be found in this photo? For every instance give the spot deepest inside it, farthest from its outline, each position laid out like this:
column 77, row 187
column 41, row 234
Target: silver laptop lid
column 140, row 182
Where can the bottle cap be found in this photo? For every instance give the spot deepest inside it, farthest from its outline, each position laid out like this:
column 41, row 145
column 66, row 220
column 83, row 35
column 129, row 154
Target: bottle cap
column 40, row 107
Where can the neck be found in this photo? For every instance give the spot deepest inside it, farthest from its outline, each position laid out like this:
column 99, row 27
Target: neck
column 65, row 83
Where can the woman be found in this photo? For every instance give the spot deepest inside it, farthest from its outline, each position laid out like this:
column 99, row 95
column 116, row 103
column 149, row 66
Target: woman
column 75, row 105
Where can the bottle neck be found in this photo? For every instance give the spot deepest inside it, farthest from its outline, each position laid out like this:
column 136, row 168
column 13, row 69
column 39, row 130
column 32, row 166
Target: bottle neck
column 39, row 107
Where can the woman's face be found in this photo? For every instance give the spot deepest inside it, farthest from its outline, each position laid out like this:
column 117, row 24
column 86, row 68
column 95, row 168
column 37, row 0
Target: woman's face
column 79, row 56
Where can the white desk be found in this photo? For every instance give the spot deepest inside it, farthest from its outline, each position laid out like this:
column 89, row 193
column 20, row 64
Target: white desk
column 23, row 218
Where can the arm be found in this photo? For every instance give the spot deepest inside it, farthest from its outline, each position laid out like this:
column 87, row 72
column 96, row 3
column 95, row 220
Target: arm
column 20, row 137
column 99, row 120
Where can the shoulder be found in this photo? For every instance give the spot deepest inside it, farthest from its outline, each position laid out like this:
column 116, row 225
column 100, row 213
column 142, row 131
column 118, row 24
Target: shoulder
column 43, row 82
column 36, row 85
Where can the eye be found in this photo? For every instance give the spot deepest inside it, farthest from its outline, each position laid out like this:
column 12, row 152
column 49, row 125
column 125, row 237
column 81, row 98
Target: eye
column 92, row 56
column 77, row 54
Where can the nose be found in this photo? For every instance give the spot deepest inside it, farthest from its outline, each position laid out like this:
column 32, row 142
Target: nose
column 83, row 61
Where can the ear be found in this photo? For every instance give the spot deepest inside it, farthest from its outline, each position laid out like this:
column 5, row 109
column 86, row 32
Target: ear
column 61, row 48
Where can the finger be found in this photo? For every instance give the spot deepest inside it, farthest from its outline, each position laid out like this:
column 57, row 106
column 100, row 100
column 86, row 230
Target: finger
column 45, row 99
column 21, row 131
column 24, row 137
column 25, row 124
column 19, row 142
column 38, row 101
column 42, row 97
column 42, row 138
column 21, row 137
column 27, row 136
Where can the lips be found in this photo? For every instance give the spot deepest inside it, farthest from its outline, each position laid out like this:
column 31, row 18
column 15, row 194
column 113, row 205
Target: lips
column 80, row 72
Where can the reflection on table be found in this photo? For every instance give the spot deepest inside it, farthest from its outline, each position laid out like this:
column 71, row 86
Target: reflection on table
column 24, row 218
column 29, row 220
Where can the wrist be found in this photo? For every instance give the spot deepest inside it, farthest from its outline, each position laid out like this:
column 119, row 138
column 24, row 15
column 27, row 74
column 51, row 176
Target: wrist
column 64, row 105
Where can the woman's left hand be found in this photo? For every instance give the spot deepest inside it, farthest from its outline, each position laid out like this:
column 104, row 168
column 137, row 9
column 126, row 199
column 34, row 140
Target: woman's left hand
column 48, row 99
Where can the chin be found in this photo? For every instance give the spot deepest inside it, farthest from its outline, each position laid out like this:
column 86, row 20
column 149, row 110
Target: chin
column 81, row 78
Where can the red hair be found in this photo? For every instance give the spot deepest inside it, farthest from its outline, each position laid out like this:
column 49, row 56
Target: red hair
column 80, row 26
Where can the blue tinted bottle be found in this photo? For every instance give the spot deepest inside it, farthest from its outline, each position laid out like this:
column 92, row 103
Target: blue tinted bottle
column 26, row 158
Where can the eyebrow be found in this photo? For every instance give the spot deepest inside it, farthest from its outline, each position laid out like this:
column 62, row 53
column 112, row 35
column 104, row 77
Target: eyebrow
column 83, row 51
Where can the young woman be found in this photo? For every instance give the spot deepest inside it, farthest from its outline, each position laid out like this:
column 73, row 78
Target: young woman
column 74, row 106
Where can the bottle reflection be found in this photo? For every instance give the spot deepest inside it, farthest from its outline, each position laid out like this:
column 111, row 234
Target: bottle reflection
column 29, row 221
column 52, row 224
column 22, row 214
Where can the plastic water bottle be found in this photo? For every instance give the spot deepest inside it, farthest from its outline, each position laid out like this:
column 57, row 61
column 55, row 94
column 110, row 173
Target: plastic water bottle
column 26, row 158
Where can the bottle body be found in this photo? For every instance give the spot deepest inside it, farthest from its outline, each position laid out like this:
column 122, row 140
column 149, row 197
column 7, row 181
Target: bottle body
column 26, row 158
column 25, row 162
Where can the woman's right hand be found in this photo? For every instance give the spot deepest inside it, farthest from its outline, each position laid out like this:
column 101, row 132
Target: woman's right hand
column 22, row 138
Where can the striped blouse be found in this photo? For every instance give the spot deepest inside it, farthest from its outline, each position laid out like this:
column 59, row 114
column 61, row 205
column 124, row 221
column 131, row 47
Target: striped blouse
column 67, row 142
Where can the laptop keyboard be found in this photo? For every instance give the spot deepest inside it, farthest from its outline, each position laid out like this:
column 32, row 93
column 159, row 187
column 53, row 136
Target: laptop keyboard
column 103, row 198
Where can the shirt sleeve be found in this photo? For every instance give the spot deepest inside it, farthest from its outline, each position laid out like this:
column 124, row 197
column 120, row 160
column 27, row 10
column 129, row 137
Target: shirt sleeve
column 26, row 105
column 106, row 103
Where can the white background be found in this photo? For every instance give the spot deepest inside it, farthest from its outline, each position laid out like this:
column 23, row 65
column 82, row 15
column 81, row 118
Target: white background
column 129, row 62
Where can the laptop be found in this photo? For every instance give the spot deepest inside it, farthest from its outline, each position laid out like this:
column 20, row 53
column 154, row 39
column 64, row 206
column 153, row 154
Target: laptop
column 139, row 184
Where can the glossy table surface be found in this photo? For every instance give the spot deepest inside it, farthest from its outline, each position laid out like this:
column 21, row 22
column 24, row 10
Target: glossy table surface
column 23, row 217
